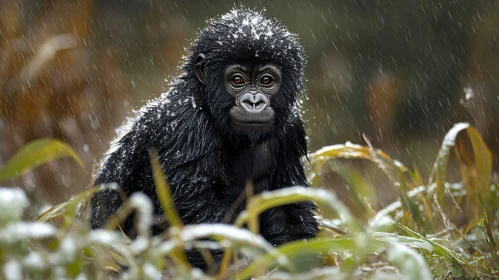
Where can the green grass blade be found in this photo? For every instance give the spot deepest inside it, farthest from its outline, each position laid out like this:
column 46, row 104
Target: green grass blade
column 439, row 171
column 387, row 164
column 166, row 200
column 35, row 154
column 400, row 175
column 163, row 191
column 325, row 199
column 475, row 170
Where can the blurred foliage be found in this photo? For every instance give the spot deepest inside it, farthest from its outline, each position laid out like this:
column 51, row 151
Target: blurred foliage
column 393, row 74
column 34, row 154
column 431, row 230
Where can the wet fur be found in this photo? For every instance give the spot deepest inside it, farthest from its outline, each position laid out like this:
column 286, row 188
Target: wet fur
column 206, row 161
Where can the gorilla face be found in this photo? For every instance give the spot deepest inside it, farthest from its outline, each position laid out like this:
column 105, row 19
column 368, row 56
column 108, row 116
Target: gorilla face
column 241, row 99
column 252, row 87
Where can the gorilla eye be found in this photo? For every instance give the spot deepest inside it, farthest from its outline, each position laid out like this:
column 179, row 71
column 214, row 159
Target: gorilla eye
column 237, row 80
column 266, row 80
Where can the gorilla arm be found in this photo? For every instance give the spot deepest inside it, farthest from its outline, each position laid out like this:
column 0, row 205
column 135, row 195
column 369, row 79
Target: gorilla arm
column 121, row 167
column 294, row 221
column 192, row 187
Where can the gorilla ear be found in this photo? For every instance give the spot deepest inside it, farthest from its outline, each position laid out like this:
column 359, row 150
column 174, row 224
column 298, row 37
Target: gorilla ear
column 199, row 67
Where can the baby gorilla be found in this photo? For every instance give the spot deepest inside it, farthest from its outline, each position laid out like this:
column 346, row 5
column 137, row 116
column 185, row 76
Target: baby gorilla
column 231, row 116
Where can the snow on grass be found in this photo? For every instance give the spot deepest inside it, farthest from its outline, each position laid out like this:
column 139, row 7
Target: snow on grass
column 13, row 201
column 410, row 263
column 19, row 231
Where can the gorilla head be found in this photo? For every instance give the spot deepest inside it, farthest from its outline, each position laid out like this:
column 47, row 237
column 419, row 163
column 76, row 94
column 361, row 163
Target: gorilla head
column 249, row 70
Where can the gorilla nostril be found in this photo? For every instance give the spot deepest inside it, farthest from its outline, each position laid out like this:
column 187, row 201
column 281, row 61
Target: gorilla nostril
column 253, row 102
column 253, row 105
column 259, row 105
column 247, row 104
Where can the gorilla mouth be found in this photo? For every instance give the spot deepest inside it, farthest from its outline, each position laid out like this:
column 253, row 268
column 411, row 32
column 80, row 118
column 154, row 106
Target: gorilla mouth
column 252, row 123
column 242, row 118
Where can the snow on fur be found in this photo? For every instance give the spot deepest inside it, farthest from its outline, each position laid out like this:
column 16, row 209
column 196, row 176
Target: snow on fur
column 244, row 27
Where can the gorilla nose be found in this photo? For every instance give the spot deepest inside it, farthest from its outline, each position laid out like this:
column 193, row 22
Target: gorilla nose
column 254, row 103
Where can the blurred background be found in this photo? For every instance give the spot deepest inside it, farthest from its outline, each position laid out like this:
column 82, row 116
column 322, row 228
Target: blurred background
column 399, row 73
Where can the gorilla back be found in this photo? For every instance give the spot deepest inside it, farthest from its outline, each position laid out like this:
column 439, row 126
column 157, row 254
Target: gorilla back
column 231, row 116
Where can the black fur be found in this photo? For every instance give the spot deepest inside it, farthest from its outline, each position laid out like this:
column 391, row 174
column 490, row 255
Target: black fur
column 205, row 161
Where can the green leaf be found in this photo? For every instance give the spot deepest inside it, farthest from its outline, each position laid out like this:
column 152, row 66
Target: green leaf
column 35, row 154
column 163, row 191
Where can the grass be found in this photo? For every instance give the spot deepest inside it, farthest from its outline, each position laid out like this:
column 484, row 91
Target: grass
column 434, row 228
